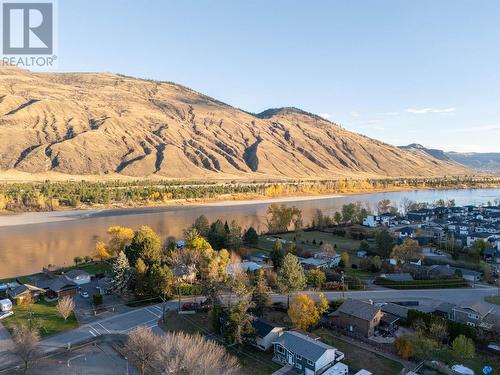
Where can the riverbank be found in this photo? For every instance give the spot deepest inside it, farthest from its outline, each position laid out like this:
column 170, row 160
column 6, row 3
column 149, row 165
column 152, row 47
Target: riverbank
column 11, row 218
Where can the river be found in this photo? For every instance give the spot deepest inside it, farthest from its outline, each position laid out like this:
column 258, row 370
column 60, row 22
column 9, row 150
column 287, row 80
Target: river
column 57, row 237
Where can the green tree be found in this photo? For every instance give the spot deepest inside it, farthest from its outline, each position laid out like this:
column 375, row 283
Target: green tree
column 218, row 236
column 234, row 240
column 251, row 237
column 478, row 247
column 202, row 225
column 316, row 278
column 238, row 327
column 277, row 254
column 384, row 242
column 291, row 276
column 261, row 295
column 464, row 347
column 146, row 245
column 364, row 245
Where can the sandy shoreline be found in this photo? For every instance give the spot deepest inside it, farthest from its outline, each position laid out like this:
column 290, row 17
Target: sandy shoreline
column 27, row 218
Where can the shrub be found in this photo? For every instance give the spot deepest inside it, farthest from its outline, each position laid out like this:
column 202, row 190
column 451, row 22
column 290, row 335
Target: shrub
column 97, row 299
column 186, row 289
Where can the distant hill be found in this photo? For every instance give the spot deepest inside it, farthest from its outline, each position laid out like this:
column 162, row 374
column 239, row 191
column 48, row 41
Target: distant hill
column 106, row 124
column 488, row 161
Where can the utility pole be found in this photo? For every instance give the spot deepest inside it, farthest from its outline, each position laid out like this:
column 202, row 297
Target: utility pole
column 163, row 308
column 342, row 277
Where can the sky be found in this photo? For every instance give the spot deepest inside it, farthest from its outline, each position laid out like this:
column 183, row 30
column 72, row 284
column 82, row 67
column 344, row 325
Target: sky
column 402, row 71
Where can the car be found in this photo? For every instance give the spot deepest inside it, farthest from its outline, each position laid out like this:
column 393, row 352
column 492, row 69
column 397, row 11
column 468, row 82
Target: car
column 84, row 294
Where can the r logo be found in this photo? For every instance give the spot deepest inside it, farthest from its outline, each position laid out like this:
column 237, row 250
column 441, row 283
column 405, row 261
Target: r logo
column 27, row 28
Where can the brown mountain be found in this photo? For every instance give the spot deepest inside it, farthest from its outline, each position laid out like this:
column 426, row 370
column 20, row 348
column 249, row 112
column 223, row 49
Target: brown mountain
column 95, row 124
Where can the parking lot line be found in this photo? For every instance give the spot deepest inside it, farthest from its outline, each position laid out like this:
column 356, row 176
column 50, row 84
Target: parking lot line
column 107, row 330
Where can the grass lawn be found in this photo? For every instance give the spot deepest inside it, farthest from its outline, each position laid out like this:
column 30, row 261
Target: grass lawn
column 357, row 358
column 306, row 242
column 45, row 315
column 252, row 360
column 493, row 299
column 477, row 363
column 93, row 268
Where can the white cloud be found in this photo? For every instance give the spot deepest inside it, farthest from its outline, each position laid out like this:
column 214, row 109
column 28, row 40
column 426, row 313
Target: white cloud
column 354, row 114
column 391, row 113
column 420, row 111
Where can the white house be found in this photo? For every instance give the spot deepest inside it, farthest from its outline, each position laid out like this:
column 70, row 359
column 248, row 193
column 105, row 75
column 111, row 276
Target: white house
column 5, row 305
column 371, row 221
column 243, row 266
column 337, row 369
column 265, row 333
column 321, row 260
column 363, row 372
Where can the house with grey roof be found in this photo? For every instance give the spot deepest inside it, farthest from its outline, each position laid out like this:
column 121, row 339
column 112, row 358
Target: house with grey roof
column 305, row 355
column 265, row 333
column 58, row 287
column 472, row 315
column 396, row 310
column 79, row 277
column 358, row 317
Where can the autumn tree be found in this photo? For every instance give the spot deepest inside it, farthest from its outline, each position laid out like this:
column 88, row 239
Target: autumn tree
column 408, row 250
column 464, row 347
column 438, row 329
column 65, row 306
column 344, row 259
column 142, row 349
column 281, row 218
column 291, row 276
column 383, row 206
column 181, row 353
column 316, row 278
column 404, row 346
column 102, row 251
column 304, row 312
column 25, row 344
column 121, row 237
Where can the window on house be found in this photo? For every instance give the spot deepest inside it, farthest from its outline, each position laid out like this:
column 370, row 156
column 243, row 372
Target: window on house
column 310, row 363
column 299, row 366
column 299, row 357
column 280, row 349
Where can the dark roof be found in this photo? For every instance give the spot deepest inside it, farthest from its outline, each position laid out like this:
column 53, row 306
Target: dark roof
column 402, row 276
column 445, row 307
column 17, row 291
column 389, row 318
column 359, row 309
column 57, row 285
column 395, row 309
column 306, row 347
column 263, row 327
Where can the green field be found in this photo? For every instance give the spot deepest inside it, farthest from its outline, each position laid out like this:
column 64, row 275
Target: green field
column 45, row 317
column 92, row 268
column 357, row 358
column 493, row 299
column 305, row 241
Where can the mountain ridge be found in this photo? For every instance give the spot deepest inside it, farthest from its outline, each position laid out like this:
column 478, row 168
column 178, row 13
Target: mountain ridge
column 106, row 124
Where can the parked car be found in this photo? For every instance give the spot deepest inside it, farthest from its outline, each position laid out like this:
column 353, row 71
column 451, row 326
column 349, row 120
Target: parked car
column 84, row 294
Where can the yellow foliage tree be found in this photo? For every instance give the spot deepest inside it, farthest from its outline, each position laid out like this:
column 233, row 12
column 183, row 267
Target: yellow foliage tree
column 303, row 312
column 120, row 238
column 323, row 304
column 102, row 251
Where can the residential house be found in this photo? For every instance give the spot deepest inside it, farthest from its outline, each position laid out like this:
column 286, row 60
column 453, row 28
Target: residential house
column 19, row 293
column 387, row 219
column 404, row 232
column 58, row 287
column 243, row 266
column 305, row 355
column 321, row 260
column 420, row 216
column 396, row 310
column 363, row 372
column 445, row 310
column 337, row 369
column 265, row 333
column 358, row 316
column 472, row 315
column 371, row 221
column 79, row 277
column 477, row 236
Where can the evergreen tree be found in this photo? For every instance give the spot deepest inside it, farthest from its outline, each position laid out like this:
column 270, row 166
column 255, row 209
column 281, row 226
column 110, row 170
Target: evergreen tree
column 291, row 276
column 251, row 237
column 121, row 273
column 261, row 295
column 277, row 254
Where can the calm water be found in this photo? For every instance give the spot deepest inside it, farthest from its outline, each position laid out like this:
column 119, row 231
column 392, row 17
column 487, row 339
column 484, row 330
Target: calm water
column 26, row 248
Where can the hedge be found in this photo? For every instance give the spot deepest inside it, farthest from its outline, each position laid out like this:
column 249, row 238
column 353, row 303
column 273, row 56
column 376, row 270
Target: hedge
column 422, row 284
column 186, row 289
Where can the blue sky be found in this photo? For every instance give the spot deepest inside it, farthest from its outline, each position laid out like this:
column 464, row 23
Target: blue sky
column 402, row 71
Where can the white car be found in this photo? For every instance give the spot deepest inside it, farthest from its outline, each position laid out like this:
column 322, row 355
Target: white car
column 84, row 294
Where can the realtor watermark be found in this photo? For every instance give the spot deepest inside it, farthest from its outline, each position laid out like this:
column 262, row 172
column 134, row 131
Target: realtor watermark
column 29, row 33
